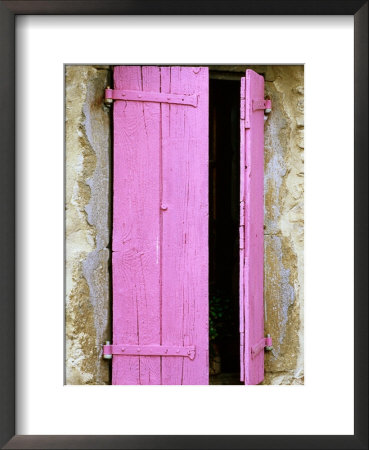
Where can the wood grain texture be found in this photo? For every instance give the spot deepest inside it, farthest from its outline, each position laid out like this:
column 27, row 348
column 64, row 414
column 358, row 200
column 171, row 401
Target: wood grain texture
column 160, row 225
column 136, row 227
column 185, row 226
column 252, row 262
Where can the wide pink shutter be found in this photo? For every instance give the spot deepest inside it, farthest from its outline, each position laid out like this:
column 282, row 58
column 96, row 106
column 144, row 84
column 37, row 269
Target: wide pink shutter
column 160, row 225
column 252, row 228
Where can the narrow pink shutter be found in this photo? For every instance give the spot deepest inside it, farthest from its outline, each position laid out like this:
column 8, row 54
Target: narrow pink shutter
column 252, row 229
column 160, row 226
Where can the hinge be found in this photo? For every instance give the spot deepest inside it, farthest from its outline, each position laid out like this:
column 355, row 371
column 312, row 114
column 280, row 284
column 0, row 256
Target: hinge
column 263, row 343
column 145, row 96
column 148, row 350
column 257, row 105
column 262, row 104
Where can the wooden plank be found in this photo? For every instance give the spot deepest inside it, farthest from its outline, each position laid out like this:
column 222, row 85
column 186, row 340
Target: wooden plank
column 136, row 226
column 185, row 225
column 149, row 310
column 254, row 229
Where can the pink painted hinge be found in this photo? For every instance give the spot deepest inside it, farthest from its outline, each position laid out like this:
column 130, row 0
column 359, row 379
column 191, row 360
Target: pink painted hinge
column 148, row 350
column 254, row 105
column 145, row 96
column 263, row 343
column 262, row 104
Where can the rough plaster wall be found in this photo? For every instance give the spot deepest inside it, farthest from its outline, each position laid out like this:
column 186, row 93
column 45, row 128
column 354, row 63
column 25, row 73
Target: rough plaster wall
column 284, row 225
column 87, row 202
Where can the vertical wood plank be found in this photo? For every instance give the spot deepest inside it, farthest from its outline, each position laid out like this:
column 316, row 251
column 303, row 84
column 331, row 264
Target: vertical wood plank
column 185, row 225
column 196, row 314
column 149, row 310
column 254, row 229
column 136, row 233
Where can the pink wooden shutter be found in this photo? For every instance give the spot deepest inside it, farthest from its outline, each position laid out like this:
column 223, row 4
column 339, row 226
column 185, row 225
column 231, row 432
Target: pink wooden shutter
column 160, row 226
column 252, row 229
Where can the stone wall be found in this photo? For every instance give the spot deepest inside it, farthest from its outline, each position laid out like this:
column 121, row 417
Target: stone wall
column 284, row 225
column 88, row 160
column 87, row 228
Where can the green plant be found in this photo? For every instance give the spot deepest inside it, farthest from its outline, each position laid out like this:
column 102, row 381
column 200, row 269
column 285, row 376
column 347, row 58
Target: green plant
column 220, row 314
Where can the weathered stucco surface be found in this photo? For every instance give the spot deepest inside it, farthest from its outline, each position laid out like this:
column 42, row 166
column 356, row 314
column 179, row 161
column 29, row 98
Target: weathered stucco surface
column 87, row 318
column 284, row 225
column 88, row 223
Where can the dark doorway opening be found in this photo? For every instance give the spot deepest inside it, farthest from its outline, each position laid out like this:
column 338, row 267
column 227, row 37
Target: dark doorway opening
column 224, row 168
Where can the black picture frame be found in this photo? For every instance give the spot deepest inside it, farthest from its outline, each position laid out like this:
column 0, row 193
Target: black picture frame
column 8, row 11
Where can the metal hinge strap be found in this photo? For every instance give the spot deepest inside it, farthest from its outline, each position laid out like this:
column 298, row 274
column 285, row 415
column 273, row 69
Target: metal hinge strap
column 262, row 104
column 145, row 96
column 256, row 105
column 148, row 350
column 263, row 343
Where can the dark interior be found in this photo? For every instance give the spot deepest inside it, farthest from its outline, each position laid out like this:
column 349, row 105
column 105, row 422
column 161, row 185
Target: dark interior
column 224, row 132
